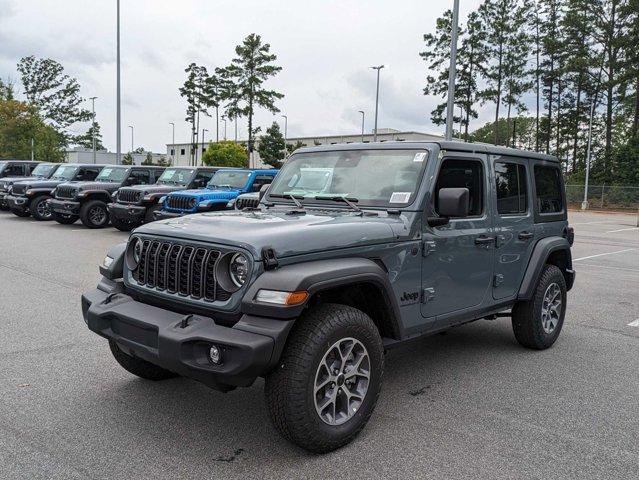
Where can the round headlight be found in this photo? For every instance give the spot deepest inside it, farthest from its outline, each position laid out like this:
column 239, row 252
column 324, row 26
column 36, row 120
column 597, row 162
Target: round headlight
column 133, row 253
column 238, row 269
column 193, row 202
column 137, row 252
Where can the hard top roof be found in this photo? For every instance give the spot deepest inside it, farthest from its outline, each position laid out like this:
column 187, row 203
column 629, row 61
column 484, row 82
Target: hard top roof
column 453, row 146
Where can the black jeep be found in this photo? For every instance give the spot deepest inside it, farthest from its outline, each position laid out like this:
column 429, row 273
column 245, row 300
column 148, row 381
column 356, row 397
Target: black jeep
column 12, row 171
column 88, row 200
column 30, row 196
column 135, row 205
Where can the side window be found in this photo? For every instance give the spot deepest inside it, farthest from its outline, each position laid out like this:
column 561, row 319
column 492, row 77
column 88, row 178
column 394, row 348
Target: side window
column 463, row 174
column 548, row 189
column 203, row 177
column 512, row 191
column 140, row 177
column 88, row 174
column 14, row 170
column 30, row 168
column 261, row 180
column 182, row 151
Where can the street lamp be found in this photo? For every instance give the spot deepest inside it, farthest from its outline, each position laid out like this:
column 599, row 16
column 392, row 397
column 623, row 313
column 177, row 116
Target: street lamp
column 362, row 112
column 285, row 132
column 131, row 127
column 376, row 101
column 118, row 133
column 224, row 120
column 93, row 125
column 203, row 130
column 174, row 147
column 451, row 72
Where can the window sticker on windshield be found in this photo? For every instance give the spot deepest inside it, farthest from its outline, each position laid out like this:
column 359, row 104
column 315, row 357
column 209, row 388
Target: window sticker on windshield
column 400, row 197
column 106, row 172
column 419, row 157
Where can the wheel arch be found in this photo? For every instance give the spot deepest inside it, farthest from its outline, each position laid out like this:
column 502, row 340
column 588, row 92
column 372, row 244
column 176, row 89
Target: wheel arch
column 550, row 250
column 101, row 195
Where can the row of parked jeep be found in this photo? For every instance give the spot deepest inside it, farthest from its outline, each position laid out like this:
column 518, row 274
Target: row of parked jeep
column 124, row 196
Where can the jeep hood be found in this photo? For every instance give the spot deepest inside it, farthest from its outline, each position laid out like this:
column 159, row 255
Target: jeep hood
column 149, row 189
column 6, row 181
column 41, row 183
column 82, row 186
column 205, row 195
column 287, row 234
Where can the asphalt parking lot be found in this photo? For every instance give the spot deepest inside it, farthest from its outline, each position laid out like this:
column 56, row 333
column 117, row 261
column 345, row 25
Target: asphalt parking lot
column 467, row 404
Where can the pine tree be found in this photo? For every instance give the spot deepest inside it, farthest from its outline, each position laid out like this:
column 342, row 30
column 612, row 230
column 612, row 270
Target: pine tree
column 194, row 90
column 86, row 139
column 243, row 82
column 272, row 147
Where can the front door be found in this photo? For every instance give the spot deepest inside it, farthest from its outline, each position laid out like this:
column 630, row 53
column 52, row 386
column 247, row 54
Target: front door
column 514, row 227
column 458, row 258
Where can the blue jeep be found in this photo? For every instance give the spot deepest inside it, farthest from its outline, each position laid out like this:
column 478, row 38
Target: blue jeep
column 223, row 187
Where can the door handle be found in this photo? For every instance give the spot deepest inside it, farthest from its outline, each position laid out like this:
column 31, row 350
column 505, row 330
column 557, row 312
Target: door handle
column 484, row 240
column 525, row 235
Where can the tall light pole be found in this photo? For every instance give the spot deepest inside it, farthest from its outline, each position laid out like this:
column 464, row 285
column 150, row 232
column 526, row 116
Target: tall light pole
column 362, row 112
column 203, row 131
column 584, row 204
column 131, row 127
column 174, row 146
column 224, row 120
column 376, row 101
column 32, row 149
column 235, row 128
column 285, row 132
column 451, row 72
column 93, row 125
column 118, row 133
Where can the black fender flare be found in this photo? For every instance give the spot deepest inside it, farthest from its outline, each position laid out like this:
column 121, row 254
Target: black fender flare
column 540, row 254
column 115, row 270
column 41, row 191
column 316, row 276
column 101, row 195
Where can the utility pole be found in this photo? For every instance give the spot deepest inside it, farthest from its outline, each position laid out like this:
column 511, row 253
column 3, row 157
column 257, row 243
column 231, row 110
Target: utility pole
column 584, row 204
column 376, row 101
column 93, row 126
column 451, row 72
column 203, row 130
column 131, row 127
column 235, row 128
column 285, row 133
column 118, row 133
column 362, row 112
column 224, row 120
column 32, row 148
column 173, row 146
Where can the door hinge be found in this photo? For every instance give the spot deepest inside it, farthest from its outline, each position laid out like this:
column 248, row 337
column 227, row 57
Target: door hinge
column 428, row 247
column 428, row 294
column 498, row 280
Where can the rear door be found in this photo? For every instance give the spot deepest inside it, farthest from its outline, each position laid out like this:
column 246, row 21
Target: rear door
column 514, row 225
column 458, row 258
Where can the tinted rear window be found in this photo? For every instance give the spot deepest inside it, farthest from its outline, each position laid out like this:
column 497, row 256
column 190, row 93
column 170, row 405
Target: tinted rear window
column 548, row 189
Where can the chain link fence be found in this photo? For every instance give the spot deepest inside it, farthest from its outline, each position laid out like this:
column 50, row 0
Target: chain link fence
column 609, row 197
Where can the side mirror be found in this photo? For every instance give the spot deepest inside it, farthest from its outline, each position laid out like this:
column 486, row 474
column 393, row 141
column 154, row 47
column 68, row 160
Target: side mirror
column 263, row 189
column 453, row 202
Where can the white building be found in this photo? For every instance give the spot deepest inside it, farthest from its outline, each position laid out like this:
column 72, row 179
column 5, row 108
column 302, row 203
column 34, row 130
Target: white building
column 180, row 153
column 104, row 157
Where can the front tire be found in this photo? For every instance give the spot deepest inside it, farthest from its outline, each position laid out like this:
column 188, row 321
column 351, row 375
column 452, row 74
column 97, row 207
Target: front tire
column 326, row 385
column 64, row 219
column 149, row 215
column 94, row 214
column 139, row 367
column 39, row 208
column 538, row 321
column 122, row 225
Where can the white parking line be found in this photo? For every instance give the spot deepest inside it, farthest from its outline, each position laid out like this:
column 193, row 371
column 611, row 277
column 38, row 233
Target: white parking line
column 623, row 229
column 634, row 324
column 602, row 254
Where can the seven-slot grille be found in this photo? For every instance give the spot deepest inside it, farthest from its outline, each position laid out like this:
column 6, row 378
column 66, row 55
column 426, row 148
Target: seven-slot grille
column 65, row 192
column 19, row 189
column 129, row 196
column 247, row 202
column 180, row 203
column 180, row 269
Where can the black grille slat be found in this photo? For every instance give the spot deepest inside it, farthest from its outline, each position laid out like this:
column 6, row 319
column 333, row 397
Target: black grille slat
column 184, row 274
column 171, row 274
column 19, row 189
column 129, row 196
column 243, row 203
column 65, row 192
column 161, row 266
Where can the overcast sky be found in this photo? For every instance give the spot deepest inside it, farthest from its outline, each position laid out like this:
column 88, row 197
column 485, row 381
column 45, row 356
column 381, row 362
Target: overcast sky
column 324, row 46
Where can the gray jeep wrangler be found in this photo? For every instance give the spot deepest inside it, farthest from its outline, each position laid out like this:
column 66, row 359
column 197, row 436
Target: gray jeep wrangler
column 354, row 249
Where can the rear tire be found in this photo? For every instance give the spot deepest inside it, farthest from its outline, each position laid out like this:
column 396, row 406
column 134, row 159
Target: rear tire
column 325, row 387
column 139, row 367
column 64, row 219
column 537, row 322
column 39, row 208
column 94, row 214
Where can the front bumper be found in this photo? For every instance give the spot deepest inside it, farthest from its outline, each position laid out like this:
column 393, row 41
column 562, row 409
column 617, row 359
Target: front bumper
column 64, row 207
column 3, row 199
column 127, row 212
column 250, row 348
column 164, row 215
column 19, row 204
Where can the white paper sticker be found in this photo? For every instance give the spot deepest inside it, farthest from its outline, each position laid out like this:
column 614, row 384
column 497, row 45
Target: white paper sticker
column 400, row 197
column 420, row 157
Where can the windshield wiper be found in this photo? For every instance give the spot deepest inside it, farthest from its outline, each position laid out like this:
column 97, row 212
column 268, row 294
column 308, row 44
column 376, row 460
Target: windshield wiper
column 350, row 201
column 293, row 197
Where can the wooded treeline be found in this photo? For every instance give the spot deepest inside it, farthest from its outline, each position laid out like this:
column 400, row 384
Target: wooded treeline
column 542, row 66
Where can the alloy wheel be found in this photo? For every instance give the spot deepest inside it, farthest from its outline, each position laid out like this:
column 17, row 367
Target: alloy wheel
column 551, row 308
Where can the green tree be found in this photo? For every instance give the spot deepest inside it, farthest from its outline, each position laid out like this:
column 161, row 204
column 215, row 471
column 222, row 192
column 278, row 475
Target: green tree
column 243, row 82
column 7, row 89
column 148, row 160
column 291, row 147
column 86, row 139
column 127, row 159
column 53, row 93
column 225, row 154
column 272, row 147
column 194, row 90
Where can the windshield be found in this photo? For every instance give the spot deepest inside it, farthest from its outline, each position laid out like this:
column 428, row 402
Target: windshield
column 65, row 172
column 386, row 178
column 2, row 165
column 229, row 178
column 43, row 170
column 176, row 176
column 112, row 174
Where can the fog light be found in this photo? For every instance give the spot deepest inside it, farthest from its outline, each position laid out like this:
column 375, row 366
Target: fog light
column 107, row 262
column 215, row 355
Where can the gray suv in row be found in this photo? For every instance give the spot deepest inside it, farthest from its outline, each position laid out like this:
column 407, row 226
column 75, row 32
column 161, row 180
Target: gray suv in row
column 354, row 249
